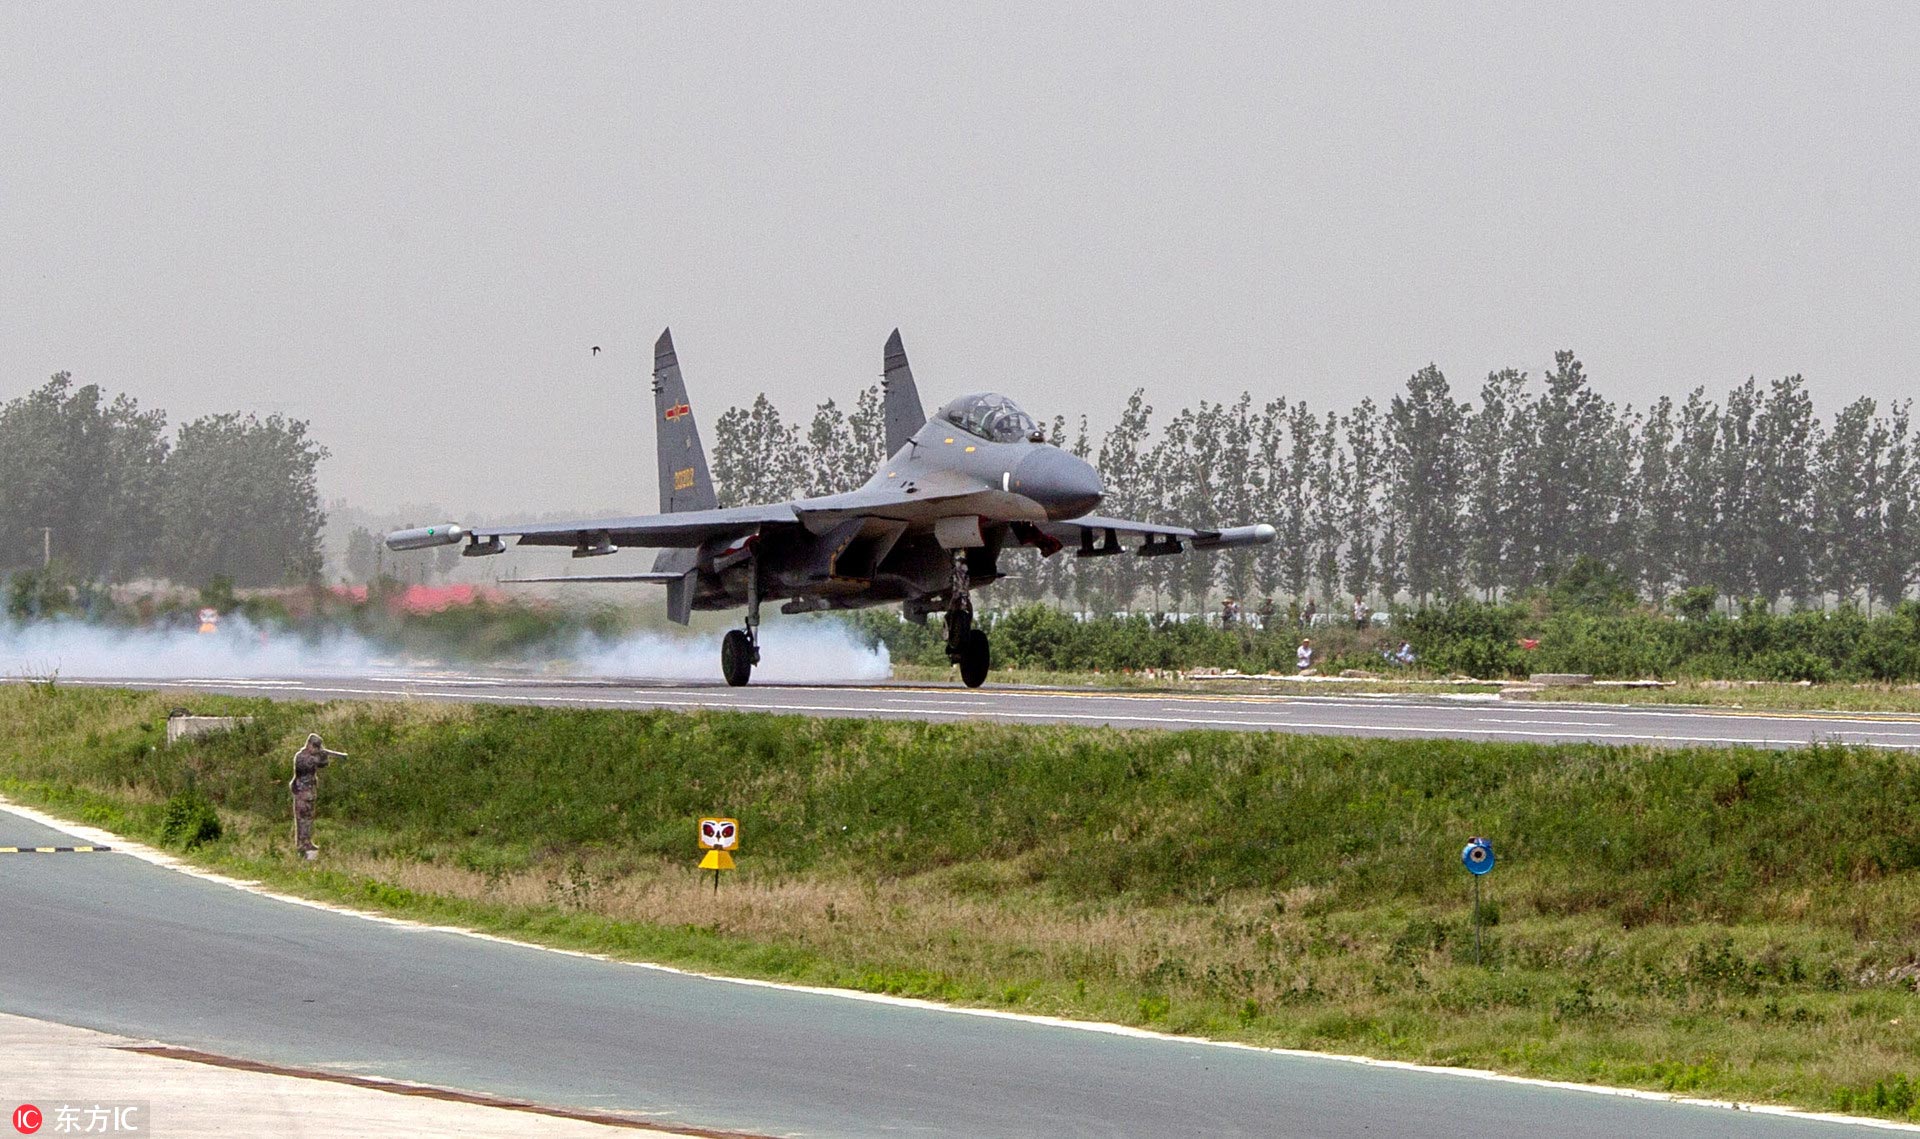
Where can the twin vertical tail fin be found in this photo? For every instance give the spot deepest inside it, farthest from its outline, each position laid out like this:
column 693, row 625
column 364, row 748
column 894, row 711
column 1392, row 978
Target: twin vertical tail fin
column 904, row 414
column 685, row 483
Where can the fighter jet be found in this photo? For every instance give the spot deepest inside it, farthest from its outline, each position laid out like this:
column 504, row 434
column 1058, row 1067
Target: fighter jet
column 925, row 531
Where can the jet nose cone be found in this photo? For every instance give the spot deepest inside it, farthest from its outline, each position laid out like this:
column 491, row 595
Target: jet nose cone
column 1066, row 487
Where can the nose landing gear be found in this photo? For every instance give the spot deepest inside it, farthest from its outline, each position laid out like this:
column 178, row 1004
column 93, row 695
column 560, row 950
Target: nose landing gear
column 740, row 648
column 966, row 645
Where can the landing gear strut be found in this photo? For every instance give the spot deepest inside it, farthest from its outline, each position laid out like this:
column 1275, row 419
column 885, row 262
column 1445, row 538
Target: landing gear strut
column 740, row 648
column 966, row 645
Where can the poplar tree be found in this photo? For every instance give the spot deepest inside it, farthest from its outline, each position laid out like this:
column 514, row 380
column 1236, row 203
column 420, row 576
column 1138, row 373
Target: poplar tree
column 1119, row 578
column 1847, row 499
column 1426, row 476
column 1491, row 475
column 1328, row 474
column 1298, row 519
column 1359, row 506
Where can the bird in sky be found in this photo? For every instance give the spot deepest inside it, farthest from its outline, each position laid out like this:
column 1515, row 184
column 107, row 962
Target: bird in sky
column 596, row 349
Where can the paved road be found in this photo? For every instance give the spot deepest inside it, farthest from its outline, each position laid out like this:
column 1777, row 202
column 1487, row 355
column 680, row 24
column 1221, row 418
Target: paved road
column 1403, row 716
column 105, row 941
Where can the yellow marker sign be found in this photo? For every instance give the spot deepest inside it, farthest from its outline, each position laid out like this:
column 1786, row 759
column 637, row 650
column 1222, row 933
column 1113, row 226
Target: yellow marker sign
column 718, row 836
column 683, row 479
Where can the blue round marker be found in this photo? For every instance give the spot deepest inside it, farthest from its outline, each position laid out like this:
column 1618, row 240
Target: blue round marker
column 1477, row 855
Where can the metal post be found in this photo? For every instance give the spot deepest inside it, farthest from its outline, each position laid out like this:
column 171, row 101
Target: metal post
column 46, row 546
column 1476, row 919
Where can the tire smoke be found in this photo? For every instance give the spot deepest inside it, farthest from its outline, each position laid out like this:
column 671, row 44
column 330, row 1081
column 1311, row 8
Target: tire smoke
column 805, row 651
column 802, row 651
column 240, row 650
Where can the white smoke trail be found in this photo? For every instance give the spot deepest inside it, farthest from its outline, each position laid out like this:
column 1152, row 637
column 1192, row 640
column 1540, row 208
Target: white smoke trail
column 239, row 649
column 791, row 652
column 802, row 651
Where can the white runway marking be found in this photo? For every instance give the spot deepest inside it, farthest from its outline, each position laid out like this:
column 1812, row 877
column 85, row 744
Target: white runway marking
column 1541, row 723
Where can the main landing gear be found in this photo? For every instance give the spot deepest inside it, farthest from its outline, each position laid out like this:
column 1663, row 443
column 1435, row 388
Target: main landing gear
column 966, row 645
column 738, row 655
column 740, row 648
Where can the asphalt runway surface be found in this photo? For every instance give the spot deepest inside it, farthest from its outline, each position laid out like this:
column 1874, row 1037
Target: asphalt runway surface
column 1389, row 716
column 109, row 942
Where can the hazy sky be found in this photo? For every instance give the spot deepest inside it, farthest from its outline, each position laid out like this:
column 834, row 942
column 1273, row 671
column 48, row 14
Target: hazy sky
column 409, row 222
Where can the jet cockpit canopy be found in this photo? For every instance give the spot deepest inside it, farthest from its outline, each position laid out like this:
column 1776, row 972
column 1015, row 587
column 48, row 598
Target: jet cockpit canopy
column 992, row 417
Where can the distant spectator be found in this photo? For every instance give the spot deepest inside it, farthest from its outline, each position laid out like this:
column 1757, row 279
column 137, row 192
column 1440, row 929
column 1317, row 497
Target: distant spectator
column 1360, row 612
column 1266, row 613
column 1304, row 654
column 1306, row 620
column 1229, row 611
column 1405, row 653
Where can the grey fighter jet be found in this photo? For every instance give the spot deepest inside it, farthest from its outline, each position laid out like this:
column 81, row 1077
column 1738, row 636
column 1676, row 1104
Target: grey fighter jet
column 925, row 530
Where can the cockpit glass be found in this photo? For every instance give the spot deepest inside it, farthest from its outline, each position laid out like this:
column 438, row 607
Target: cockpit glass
column 992, row 417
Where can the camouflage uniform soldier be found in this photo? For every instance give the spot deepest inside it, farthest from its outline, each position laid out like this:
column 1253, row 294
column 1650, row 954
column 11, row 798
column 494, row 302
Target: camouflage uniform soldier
column 307, row 763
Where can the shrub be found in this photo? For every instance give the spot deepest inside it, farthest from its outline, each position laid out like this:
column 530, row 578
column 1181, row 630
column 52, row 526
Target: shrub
column 189, row 820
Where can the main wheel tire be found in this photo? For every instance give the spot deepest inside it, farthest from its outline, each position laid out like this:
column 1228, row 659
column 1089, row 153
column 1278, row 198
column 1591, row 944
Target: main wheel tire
column 976, row 656
column 736, row 658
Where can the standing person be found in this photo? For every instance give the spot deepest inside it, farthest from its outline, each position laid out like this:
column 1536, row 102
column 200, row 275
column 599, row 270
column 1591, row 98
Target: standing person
column 1306, row 619
column 1304, row 654
column 1266, row 614
column 1360, row 612
column 307, row 763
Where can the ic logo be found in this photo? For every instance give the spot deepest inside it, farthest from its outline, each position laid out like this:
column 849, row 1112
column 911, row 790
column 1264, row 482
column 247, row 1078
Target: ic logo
column 26, row 1119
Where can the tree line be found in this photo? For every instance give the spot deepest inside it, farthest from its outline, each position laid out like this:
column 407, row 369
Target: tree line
column 1553, row 631
column 1435, row 497
column 101, row 485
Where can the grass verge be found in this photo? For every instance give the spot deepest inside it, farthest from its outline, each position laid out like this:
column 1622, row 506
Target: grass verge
column 1757, row 695
column 1720, row 922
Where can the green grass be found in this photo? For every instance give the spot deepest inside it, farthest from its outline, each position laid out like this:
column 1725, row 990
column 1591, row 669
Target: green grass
column 1722, row 922
column 1747, row 694
column 1757, row 695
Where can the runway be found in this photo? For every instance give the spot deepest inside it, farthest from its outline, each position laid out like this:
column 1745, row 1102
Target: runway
column 108, row 942
column 1476, row 718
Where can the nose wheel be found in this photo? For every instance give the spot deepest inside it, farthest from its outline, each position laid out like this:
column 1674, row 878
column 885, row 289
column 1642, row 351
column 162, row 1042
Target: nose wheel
column 966, row 645
column 976, row 657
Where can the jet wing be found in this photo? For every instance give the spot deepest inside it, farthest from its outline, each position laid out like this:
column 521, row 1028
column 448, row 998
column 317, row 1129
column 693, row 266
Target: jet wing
column 684, row 529
column 1096, row 535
